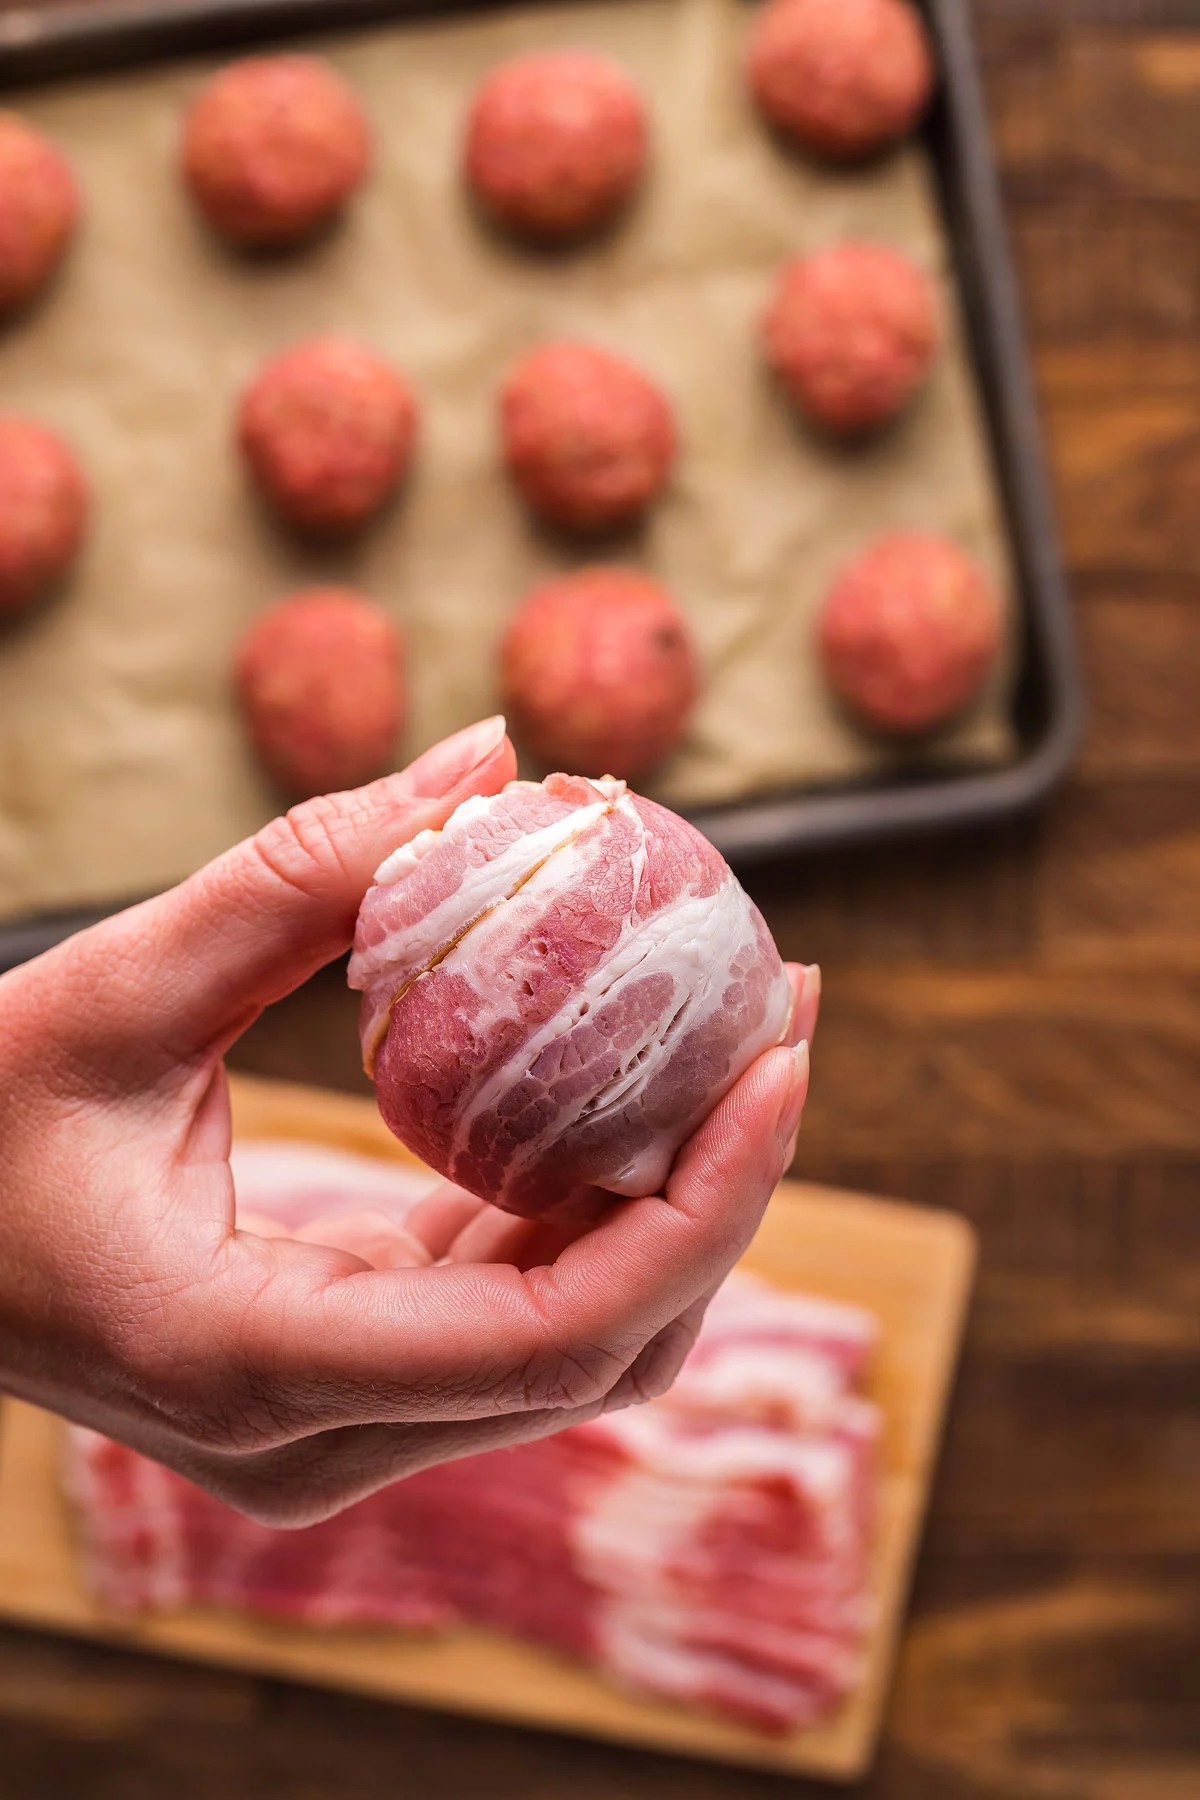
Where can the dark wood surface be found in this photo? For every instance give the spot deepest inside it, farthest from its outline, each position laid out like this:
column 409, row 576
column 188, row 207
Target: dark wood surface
column 1013, row 1030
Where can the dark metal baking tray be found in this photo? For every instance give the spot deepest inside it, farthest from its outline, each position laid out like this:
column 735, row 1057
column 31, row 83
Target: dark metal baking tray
column 40, row 43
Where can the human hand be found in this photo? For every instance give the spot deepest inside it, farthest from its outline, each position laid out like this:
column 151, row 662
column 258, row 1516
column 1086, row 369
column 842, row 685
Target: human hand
column 291, row 1377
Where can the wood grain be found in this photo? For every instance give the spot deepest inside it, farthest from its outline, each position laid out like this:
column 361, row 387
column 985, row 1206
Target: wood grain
column 1010, row 1032
column 910, row 1267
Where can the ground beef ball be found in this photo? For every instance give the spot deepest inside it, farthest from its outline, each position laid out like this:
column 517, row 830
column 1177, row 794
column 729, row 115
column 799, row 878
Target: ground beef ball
column 851, row 333
column 320, row 679
column 39, row 210
column 328, row 431
column 843, row 78
column 588, row 438
column 910, row 632
column 43, row 512
column 273, row 147
column 556, row 143
column 599, row 672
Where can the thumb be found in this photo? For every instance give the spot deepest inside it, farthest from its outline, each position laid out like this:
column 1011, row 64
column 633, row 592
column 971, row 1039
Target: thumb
column 189, row 970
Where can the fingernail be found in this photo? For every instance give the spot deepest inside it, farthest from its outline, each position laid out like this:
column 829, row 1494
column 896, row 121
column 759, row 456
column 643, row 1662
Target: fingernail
column 792, row 1109
column 810, row 1002
column 451, row 764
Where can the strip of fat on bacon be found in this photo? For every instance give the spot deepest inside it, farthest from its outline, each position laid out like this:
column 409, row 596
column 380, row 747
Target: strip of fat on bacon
column 712, row 1548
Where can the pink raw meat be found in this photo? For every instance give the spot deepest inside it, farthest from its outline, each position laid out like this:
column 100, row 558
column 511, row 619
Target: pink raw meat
column 558, row 987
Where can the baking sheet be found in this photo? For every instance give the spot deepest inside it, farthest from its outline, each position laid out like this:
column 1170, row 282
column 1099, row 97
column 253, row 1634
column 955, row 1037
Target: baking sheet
column 121, row 762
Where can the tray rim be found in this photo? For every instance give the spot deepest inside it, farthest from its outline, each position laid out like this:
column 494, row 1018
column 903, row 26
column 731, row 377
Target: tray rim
column 40, row 44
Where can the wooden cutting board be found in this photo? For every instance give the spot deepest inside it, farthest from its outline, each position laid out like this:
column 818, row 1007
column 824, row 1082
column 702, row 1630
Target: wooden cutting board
column 910, row 1266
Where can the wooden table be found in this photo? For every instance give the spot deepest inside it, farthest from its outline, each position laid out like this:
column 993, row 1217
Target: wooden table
column 1013, row 1029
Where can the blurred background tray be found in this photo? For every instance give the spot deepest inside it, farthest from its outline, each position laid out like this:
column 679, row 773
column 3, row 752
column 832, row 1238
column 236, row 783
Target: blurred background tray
column 44, row 42
column 910, row 1266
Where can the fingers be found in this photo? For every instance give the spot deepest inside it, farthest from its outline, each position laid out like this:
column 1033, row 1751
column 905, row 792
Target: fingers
column 568, row 1331
column 653, row 1372
column 443, row 1216
column 731, row 1166
column 188, row 971
column 311, row 1480
column 806, row 985
column 806, row 1005
column 312, row 1340
column 377, row 1239
column 492, row 1236
column 261, row 1225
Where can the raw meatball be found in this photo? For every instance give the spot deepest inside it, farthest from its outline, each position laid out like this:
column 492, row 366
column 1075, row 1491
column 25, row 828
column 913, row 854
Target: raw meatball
column 320, row 678
column 43, row 512
column 910, row 632
column 843, row 78
column 556, row 143
column 599, row 672
column 328, row 431
column 852, row 332
column 39, row 209
column 558, row 986
column 589, row 439
column 273, row 148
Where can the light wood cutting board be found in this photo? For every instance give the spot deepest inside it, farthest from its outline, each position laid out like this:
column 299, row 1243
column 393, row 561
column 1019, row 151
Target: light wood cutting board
column 910, row 1266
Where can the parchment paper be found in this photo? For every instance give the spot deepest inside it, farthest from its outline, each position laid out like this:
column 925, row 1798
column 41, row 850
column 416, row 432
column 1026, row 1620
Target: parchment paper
column 122, row 764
